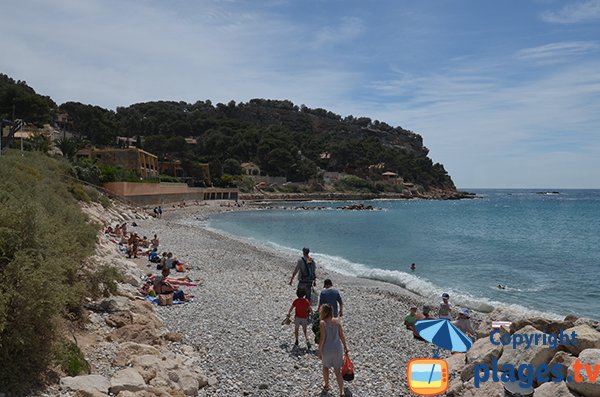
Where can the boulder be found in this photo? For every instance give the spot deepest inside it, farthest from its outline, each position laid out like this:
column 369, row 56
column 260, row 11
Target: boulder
column 535, row 355
column 498, row 314
column 141, row 393
column 136, row 333
column 119, row 319
column 86, row 383
column 586, row 388
column 110, row 305
column 586, row 338
column 564, row 360
column 481, row 352
column 487, row 389
column 456, row 363
column 455, row 388
column 127, row 379
column 173, row 337
column 541, row 324
column 553, row 389
column 189, row 384
column 129, row 349
column 83, row 393
column 587, row 321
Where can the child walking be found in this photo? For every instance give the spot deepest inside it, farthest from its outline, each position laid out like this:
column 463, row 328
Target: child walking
column 303, row 309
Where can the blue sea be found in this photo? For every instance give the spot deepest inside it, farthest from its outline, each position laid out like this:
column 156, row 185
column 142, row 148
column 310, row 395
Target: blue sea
column 543, row 247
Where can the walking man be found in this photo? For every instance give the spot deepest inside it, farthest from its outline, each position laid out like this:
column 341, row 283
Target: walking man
column 332, row 297
column 306, row 270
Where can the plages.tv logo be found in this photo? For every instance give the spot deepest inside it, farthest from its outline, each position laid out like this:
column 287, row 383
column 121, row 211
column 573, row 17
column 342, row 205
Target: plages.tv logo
column 429, row 376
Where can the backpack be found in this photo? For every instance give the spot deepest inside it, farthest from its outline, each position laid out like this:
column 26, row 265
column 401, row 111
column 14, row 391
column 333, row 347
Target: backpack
column 310, row 275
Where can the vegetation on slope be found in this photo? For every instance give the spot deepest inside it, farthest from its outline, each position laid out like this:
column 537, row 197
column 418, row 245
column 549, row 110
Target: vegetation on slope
column 44, row 237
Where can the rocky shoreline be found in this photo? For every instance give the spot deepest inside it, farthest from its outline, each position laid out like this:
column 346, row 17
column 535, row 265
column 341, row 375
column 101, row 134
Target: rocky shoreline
column 229, row 340
column 435, row 194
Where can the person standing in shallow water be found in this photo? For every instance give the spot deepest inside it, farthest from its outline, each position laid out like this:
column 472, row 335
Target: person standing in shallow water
column 306, row 270
column 332, row 346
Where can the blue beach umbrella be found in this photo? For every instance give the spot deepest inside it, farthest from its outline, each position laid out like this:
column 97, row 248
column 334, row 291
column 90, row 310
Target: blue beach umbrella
column 443, row 334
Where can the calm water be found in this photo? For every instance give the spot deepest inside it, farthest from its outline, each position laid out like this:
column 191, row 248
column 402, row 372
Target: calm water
column 544, row 248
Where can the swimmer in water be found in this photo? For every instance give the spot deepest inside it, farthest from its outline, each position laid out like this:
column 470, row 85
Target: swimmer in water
column 500, row 286
column 413, row 267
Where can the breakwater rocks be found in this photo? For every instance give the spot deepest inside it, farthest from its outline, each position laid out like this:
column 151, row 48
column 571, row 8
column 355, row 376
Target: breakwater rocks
column 437, row 194
column 477, row 372
column 351, row 207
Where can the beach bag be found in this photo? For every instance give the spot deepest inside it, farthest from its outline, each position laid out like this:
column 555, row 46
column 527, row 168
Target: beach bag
column 347, row 369
column 180, row 267
column 165, row 299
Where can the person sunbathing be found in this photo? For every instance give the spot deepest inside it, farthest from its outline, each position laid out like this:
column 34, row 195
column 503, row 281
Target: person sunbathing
column 154, row 242
column 163, row 286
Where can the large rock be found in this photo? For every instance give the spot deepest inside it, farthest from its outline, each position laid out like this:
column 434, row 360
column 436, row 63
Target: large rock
column 86, row 383
column 147, row 365
column 553, row 389
column 498, row 314
column 535, row 354
column 136, row 333
column 129, row 349
column 456, row 363
column 119, row 319
column 587, row 321
column 542, row 324
column 110, row 305
column 481, row 352
column 189, row 384
column 564, row 360
column 486, row 389
column 586, row 388
column 127, row 379
column 586, row 338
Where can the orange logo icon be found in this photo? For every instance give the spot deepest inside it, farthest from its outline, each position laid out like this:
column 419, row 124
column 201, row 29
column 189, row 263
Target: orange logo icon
column 427, row 376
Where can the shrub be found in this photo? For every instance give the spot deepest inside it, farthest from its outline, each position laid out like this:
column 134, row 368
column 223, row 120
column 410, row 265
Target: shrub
column 44, row 236
column 353, row 183
column 71, row 359
column 79, row 192
column 105, row 201
column 103, row 281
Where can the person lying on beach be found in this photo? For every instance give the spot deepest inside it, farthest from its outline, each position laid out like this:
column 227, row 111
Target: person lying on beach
column 303, row 309
column 144, row 243
column 118, row 231
column 109, row 230
column 162, row 285
column 464, row 323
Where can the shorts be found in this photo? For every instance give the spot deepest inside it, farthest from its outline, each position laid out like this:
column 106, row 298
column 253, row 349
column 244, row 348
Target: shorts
column 301, row 321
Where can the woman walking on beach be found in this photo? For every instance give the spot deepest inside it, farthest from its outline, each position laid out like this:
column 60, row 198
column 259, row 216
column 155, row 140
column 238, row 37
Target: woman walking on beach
column 332, row 346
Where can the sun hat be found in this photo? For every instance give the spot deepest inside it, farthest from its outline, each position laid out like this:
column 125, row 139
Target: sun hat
column 465, row 312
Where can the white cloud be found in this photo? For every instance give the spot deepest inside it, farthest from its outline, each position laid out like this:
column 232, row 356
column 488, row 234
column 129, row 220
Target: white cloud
column 558, row 52
column 574, row 12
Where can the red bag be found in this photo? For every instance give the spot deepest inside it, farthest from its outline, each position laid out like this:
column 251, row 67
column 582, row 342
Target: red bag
column 348, row 369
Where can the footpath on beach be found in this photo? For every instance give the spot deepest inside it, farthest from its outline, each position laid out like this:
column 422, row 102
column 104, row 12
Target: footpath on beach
column 229, row 339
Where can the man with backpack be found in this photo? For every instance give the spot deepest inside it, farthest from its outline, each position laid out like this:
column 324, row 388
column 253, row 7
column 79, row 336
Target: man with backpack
column 306, row 270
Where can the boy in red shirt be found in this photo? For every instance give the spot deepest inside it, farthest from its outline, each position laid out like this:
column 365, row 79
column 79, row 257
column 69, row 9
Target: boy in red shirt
column 303, row 309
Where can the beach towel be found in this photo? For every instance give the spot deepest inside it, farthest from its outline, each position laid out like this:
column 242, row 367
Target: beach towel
column 155, row 299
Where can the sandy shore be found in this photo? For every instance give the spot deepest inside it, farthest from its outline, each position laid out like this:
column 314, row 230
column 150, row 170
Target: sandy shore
column 236, row 317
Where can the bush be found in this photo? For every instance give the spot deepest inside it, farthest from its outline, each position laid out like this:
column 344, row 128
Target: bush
column 79, row 192
column 43, row 239
column 72, row 360
column 104, row 201
column 103, row 281
column 353, row 183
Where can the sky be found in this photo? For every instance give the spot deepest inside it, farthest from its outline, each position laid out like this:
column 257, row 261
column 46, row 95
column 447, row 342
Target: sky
column 505, row 93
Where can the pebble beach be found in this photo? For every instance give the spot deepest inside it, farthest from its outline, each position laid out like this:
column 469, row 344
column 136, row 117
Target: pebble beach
column 236, row 315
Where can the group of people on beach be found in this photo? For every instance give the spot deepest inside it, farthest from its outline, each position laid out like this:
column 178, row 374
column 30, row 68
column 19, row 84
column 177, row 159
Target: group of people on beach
column 463, row 321
column 332, row 346
column 163, row 286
